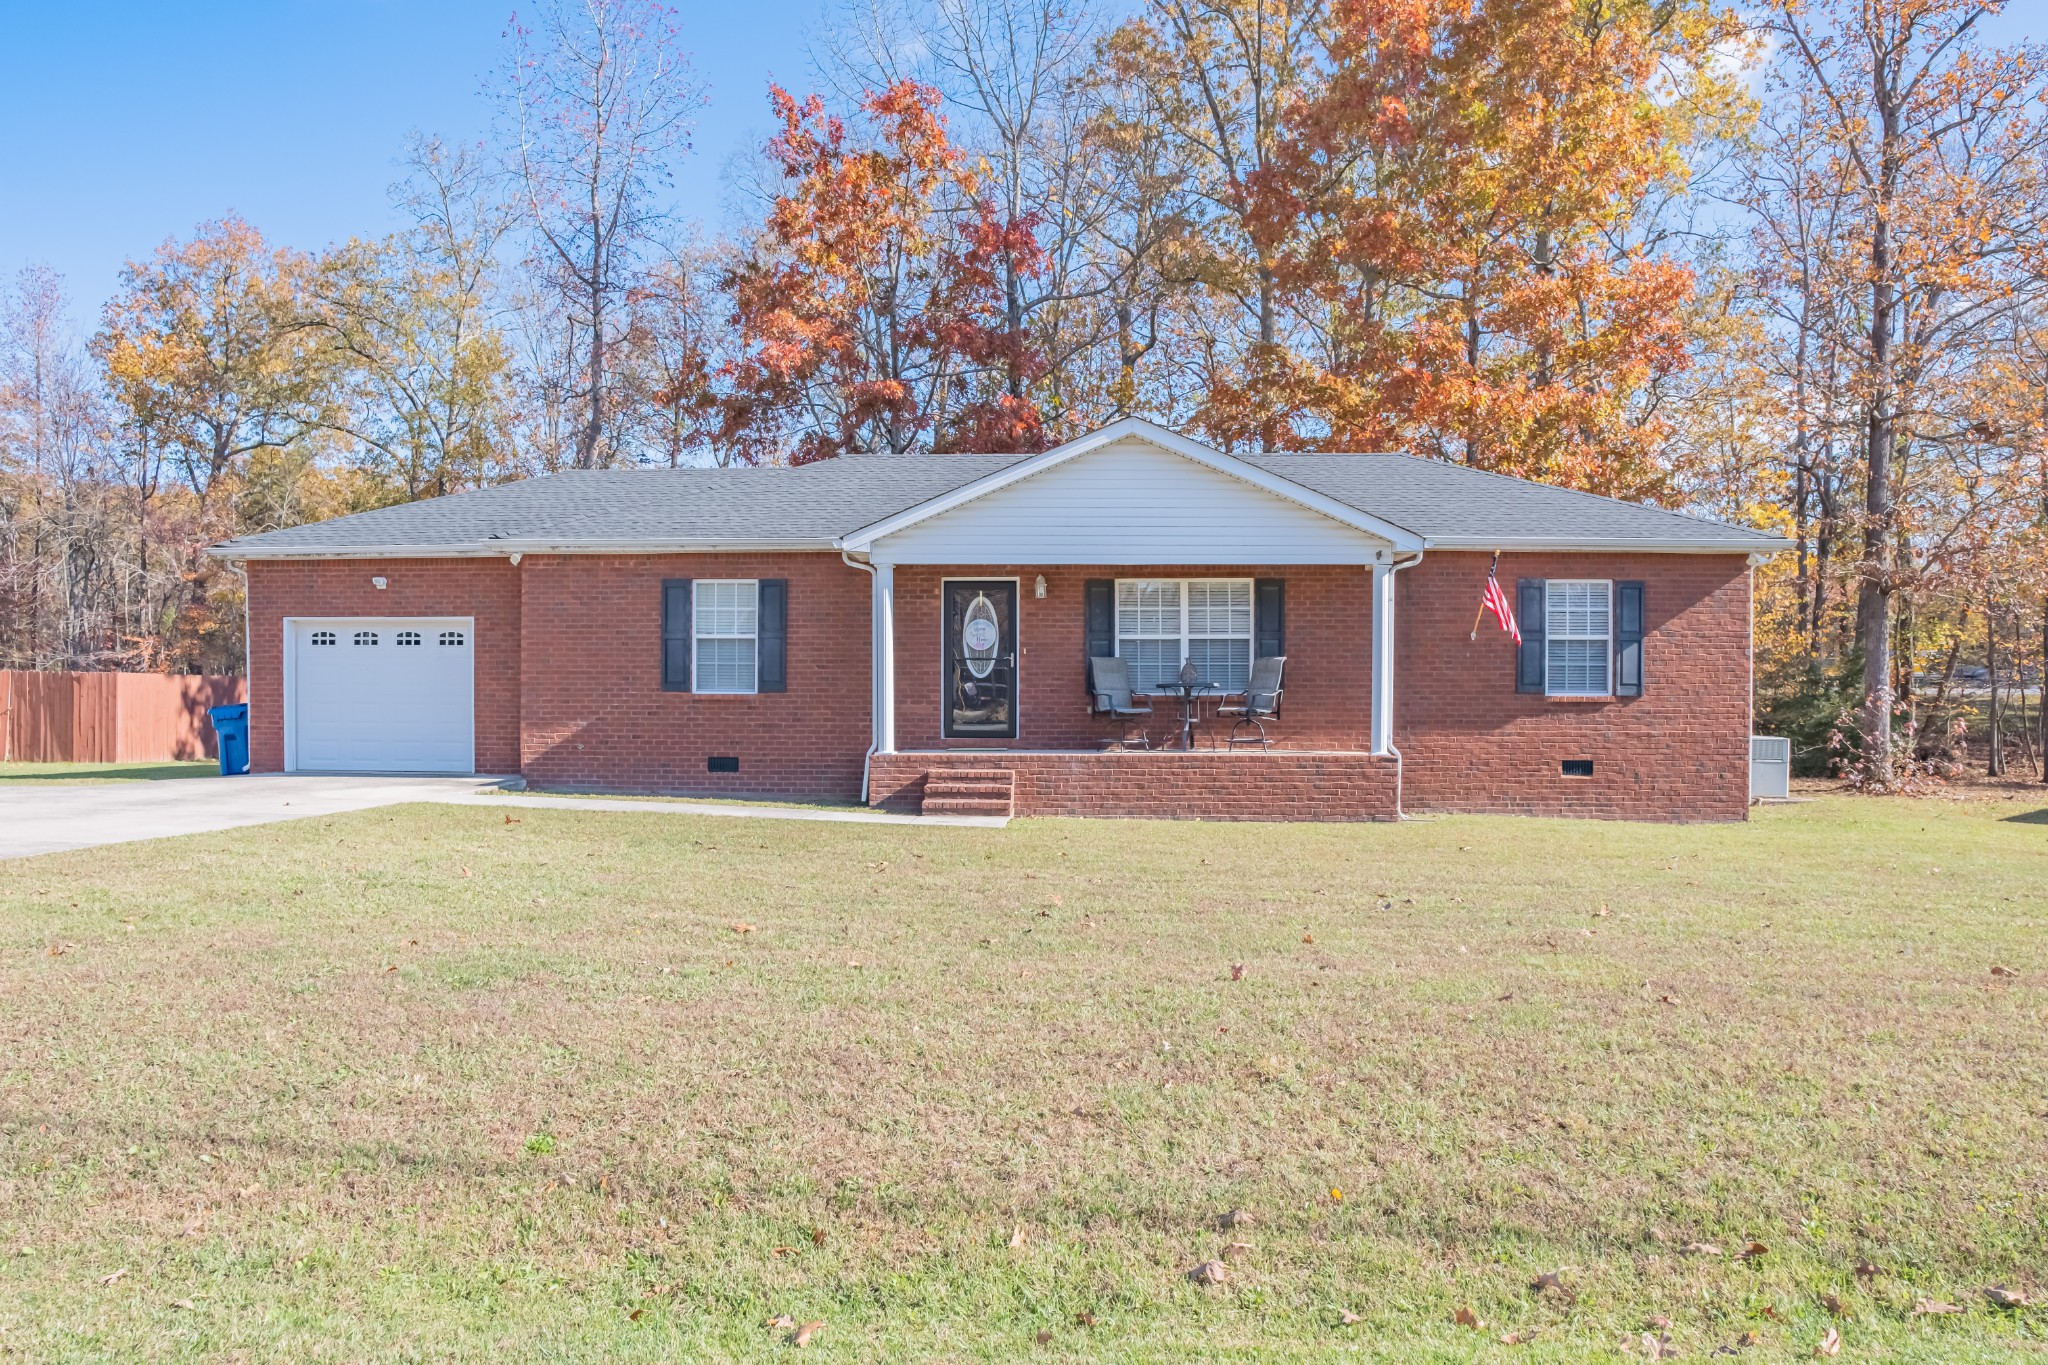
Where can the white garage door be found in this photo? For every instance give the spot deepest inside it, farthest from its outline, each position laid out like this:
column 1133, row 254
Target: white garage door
column 382, row 694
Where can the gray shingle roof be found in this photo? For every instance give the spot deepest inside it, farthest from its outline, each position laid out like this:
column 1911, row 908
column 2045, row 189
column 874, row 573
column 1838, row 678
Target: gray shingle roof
column 1452, row 504
column 810, row 506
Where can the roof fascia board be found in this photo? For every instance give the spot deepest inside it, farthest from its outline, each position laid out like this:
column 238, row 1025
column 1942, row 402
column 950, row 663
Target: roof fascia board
column 1584, row 545
column 1400, row 537
column 498, row 549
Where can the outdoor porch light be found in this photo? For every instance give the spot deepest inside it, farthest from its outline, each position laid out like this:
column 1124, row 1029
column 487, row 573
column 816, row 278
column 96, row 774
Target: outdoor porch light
column 378, row 582
column 1038, row 588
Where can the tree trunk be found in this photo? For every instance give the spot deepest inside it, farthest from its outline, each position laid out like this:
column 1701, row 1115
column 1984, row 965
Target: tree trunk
column 1994, row 758
column 2041, row 707
column 1874, row 598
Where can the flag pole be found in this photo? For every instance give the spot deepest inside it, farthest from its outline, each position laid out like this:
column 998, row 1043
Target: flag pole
column 1480, row 615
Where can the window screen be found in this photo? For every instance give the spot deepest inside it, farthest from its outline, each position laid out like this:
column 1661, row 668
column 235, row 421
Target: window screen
column 726, row 617
column 1207, row 622
column 1578, row 636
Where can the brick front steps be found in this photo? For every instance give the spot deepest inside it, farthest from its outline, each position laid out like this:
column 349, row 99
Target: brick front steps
column 969, row 791
column 1246, row 784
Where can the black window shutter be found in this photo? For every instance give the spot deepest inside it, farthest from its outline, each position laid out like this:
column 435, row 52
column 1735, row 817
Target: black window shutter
column 771, row 631
column 675, row 634
column 1529, row 615
column 1100, row 628
column 1628, row 639
column 1269, row 617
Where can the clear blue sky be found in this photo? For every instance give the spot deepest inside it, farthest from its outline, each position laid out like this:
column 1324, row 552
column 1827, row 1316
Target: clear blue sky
column 125, row 123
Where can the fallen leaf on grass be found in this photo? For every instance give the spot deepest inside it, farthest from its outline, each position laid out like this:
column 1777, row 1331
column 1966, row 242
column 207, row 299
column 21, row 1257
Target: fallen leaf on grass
column 1044, row 1336
column 1017, row 1237
column 636, row 1315
column 115, row 1277
column 1350, row 1319
column 1667, row 999
column 1237, row 971
column 1700, row 1249
column 1207, row 1273
column 249, row 1191
column 1833, row 1303
column 1518, row 1338
column 1932, row 1308
column 1308, row 938
column 510, row 820
column 783, row 1251
column 805, row 1333
column 1336, row 1195
column 741, row 929
column 1754, row 1251
column 186, row 1304
column 1236, row 1218
column 1865, row 1271
column 2001, row 1297
column 1084, row 1318
column 1467, row 1318
column 1552, row 1281
column 1240, row 1249
column 817, row 1237
column 1657, row 1322
column 1657, row 1348
column 2002, row 970
column 782, row 1322
column 1830, row 1345
column 465, row 871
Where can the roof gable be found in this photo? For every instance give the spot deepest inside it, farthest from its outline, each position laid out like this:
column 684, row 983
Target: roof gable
column 1131, row 493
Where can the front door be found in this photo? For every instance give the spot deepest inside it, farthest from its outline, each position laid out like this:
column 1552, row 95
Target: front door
column 981, row 659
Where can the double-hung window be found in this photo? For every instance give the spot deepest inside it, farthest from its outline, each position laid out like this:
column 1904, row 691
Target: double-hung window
column 726, row 617
column 1162, row 623
column 1578, row 634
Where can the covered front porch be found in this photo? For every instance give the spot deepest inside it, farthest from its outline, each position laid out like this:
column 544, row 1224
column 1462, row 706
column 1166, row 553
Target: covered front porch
column 995, row 609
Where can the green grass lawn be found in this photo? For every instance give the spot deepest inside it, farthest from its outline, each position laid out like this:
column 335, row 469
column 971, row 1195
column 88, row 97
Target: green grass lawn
column 72, row 774
column 448, row 1083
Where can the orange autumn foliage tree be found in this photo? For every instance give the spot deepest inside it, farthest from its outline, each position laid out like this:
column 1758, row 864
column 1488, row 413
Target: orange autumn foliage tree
column 871, row 312
column 1454, row 213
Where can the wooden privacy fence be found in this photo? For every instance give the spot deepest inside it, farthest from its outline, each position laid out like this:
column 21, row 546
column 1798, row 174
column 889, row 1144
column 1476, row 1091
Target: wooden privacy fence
column 110, row 717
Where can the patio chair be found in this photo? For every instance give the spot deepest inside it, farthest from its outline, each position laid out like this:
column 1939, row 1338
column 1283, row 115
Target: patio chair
column 1110, row 681
column 1257, row 704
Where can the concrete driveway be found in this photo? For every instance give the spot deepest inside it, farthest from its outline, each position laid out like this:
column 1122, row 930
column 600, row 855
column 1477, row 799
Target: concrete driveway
column 37, row 817
column 49, row 818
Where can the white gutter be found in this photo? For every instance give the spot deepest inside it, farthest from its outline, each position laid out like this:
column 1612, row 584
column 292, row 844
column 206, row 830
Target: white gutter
column 498, row 549
column 1765, row 545
column 874, row 684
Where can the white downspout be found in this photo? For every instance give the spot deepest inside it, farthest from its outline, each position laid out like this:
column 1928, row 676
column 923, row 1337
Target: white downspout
column 1383, row 631
column 874, row 678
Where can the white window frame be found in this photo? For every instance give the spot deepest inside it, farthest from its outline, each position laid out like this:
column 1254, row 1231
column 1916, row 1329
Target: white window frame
column 1551, row 686
column 698, row 636
column 1250, row 636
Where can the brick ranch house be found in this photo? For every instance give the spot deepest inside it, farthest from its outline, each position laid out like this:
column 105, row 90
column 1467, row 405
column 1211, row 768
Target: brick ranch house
column 916, row 630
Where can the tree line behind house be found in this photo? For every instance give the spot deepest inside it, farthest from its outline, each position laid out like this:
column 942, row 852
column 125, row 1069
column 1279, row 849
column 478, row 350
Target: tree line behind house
column 1784, row 265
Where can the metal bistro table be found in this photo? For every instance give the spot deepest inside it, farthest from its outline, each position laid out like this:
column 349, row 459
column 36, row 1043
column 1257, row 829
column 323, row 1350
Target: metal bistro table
column 1190, row 691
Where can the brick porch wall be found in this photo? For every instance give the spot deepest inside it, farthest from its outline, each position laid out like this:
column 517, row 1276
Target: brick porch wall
column 594, row 714
column 1329, row 635
column 487, row 589
column 1472, row 743
column 1204, row 785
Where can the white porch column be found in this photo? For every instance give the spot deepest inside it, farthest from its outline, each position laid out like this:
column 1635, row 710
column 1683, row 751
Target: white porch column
column 885, row 656
column 1382, row 655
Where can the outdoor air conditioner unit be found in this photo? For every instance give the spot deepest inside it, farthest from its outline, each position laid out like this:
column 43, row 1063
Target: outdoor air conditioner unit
column 1770, row 768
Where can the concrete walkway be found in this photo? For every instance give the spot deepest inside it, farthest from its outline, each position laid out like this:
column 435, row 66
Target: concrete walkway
column 50, row 817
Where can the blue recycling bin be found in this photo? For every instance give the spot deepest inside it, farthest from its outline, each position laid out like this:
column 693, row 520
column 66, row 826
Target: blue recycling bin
column 231, row 723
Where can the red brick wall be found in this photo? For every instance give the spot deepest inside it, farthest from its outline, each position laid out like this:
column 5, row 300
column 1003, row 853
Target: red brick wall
column 594, row 713
column 487, row 589
column 1329, row 634
column 1204, row 785
column 1472, row 743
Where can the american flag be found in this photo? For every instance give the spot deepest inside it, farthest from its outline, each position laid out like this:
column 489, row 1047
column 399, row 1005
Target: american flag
column 1496, row 602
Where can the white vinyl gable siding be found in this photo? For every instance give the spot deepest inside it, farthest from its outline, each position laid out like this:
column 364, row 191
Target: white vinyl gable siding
column 725, row 618
column 1161, row 623
column 1578, row 638
column 1129, row 503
